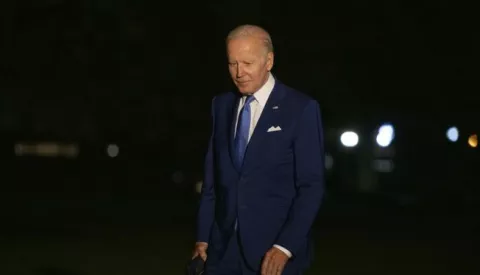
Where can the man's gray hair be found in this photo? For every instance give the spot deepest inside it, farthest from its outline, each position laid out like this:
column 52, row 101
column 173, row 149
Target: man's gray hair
column 252, row 31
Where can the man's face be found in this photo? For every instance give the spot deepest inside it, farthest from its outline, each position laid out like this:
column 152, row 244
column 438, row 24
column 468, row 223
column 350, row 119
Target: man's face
column 248, row 63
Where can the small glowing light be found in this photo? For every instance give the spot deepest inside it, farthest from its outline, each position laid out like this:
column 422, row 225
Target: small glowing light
column 383, row 165
column 198, row 187
column 19, row 149
column 112, row 150
column 385, row 135
column 328, row 162
column 452, row 134
column 178, row 177
column 349, row 139
column 47, row 149
column 473, row 141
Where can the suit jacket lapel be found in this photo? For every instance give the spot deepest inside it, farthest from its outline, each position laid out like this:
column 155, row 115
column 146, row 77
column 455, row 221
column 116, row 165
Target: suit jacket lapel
column 233, row 122
column 264, row 122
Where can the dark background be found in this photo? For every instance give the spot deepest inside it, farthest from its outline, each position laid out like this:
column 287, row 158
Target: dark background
column 141, row 75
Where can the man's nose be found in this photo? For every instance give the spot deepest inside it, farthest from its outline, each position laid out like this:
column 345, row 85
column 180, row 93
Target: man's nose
column 240, row 71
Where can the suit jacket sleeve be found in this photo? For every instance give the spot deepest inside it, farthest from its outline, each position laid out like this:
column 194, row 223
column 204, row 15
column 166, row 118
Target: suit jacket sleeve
column 206, row 211
column 309, row 179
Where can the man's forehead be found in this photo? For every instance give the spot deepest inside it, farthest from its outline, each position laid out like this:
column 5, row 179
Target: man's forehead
column 246, row 42
column 249, row 30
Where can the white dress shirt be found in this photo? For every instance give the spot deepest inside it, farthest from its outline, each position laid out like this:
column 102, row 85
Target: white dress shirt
column 256, row 107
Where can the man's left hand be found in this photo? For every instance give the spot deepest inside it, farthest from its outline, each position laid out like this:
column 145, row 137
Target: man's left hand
column 274, row 262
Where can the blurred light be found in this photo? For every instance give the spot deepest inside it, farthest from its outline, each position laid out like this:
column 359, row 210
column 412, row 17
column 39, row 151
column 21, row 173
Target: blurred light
column 47, row 149
column 328, row 162
column 473, row 141
column 452, row 134
column 178, row 177
column 19, row 149
column 383, row 165
column 198, row 187
column 112, row 150
column 349, row 139
column 385, row 135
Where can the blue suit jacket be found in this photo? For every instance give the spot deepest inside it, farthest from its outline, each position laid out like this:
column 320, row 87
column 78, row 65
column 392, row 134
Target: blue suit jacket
column 277, row 192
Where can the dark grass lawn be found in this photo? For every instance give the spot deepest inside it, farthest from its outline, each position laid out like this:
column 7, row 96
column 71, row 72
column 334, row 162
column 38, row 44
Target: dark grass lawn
column 344, row 245
column 96, row 224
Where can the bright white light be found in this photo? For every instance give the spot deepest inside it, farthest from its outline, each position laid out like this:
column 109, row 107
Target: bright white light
column 349, row 139
column 112, row 150
column 385, row 135
column 452, row 134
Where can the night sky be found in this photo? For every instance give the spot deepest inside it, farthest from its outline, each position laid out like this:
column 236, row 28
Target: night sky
column 98, row 70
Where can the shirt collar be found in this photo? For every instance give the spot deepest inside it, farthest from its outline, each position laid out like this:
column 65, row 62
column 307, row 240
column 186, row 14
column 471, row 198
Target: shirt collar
column 264, row 92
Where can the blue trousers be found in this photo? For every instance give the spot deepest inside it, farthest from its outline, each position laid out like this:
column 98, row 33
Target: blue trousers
column 233, row 263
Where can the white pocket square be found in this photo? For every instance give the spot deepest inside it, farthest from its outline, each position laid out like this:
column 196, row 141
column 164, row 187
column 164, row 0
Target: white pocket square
column 274, row 129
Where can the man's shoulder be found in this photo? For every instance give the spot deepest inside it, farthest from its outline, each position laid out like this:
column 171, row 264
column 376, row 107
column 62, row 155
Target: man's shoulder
column 297, row 98
column 224, row 97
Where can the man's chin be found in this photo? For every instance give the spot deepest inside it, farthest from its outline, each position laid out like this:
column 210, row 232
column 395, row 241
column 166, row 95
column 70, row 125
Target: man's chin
column 244, row 91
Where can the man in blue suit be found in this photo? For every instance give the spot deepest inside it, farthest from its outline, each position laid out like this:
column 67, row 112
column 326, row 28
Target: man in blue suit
column 264, row 177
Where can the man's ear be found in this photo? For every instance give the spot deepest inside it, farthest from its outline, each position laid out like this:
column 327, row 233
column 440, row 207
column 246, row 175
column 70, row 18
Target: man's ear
column 270, row 60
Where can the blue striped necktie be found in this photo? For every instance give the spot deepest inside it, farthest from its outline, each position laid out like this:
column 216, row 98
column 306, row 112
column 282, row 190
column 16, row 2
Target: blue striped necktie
column 243, row 131
column 241, row 137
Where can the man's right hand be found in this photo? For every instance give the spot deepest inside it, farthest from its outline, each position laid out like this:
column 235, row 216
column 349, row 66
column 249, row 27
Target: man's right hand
column 200, row 249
